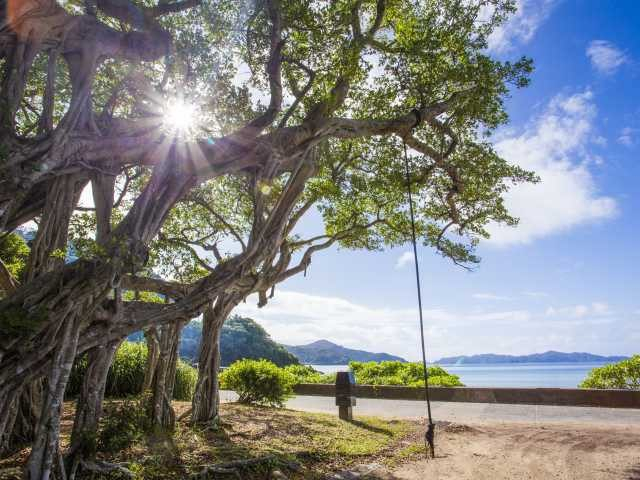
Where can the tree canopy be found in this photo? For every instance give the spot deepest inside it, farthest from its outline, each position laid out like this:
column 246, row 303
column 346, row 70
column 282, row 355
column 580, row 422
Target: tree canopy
column 207, row 129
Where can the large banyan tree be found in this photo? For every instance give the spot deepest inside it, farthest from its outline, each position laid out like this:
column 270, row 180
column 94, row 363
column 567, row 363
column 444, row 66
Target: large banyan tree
column 203, row 122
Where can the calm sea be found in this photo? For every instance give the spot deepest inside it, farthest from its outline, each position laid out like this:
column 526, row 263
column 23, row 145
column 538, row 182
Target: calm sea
column 561, row 375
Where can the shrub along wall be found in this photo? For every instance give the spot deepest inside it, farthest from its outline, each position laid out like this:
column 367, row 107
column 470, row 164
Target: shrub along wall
column 126, row 374
column 623, row 375
column 409, row 374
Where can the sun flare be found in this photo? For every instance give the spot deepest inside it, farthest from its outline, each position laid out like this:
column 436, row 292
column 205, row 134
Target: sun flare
column 180, row 116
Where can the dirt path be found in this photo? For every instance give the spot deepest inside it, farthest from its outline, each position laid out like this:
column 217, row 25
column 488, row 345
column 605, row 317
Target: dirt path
column 529, row 451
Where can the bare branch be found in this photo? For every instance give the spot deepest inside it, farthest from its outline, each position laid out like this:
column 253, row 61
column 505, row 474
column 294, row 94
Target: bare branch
column 220, row 218
column 146, row 284
column 273, row 68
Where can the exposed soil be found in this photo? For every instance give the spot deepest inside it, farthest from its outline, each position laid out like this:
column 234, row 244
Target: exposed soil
column 527, row 451
column 379, row 450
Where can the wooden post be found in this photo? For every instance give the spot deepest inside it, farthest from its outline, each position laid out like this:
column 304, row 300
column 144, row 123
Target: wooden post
column 345, row 395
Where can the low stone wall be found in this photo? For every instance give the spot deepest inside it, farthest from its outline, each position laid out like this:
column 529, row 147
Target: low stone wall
column 576, row 397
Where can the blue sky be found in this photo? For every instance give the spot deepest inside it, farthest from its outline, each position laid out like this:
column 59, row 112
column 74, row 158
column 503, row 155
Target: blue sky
column 566, row 278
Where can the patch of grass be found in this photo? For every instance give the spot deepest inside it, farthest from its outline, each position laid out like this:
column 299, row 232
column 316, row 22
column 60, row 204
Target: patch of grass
column 302, row 445
column 411, row 451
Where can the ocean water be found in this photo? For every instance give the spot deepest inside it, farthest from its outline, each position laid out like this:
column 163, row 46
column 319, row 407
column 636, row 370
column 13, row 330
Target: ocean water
column 558, row 375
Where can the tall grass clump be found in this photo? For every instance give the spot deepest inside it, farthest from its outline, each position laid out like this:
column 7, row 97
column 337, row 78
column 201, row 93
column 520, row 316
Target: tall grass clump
column 126, row 375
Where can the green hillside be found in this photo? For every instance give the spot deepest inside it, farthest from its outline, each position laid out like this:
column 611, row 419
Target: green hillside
column 240, row 338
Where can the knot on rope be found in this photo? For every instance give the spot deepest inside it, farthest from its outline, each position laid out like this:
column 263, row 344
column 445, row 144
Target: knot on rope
column 429, row 439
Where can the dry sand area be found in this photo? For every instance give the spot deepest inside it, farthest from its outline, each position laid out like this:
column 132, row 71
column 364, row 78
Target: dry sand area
column 529, row 451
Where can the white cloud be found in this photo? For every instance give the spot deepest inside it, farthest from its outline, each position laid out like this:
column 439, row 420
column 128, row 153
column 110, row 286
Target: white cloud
column 555, row 146
column 405, row 259
column 295, row 318
column 595, row 309
column 522, row 26
column 627, row 136
column 489, row 296
column 536, row 294
column 605, row 57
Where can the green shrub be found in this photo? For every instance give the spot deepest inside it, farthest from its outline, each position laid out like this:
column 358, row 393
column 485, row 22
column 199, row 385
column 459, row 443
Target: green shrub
column 622, row 375
column 126, row 375
column 123, row 423
column 308, row 374
column 14, row 253
column 186, row 378
column 401, row 373
column 258, row 381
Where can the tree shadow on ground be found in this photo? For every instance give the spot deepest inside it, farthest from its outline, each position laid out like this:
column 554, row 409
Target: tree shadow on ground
column 252, row 442
column 634, row 473
column 372, row 428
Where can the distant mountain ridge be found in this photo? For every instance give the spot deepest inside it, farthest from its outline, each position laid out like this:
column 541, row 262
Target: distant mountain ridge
column 547, row 357
column 324, row 352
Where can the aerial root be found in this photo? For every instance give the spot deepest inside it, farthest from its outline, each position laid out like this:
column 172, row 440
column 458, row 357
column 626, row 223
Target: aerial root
column 234, row 467
column 101, row 467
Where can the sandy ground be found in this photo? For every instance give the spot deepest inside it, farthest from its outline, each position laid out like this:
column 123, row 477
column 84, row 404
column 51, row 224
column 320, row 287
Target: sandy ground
column 528, row 451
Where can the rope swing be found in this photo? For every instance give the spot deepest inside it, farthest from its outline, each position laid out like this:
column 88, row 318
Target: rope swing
column 429, row 436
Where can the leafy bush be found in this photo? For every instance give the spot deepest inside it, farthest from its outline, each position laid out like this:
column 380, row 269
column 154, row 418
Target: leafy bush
column 186, row 378
column 126, row 374
column 308, row 374
column 400, row 373
column 123, row 423
column 14, row 253
column 258, row 381
column 622, row 375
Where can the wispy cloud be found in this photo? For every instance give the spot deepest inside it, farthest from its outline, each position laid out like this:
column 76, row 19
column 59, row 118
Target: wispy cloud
column 406, row 258
column 296, row 318
column 581, row 311
column 605, row 57
column 555, row 146
column 522, row 26
column 535, row 294
column 489, row 296
column 627, row 136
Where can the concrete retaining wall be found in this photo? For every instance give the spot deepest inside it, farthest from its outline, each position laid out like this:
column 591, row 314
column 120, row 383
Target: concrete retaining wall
column 528, row 396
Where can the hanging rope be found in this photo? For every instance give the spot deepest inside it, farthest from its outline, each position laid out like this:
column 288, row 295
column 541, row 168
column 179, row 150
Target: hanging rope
column 429, row 436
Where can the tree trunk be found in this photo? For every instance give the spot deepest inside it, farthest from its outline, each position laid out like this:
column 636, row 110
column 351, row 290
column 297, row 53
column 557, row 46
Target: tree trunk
column 48, row 249
column 153, row 355
column 89, row 404
column 161, row 411
column 206, row 398
column 45, row 447
column 19, row 413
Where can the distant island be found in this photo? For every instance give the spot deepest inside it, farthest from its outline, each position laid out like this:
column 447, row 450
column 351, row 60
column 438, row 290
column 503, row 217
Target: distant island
column 546, row 357
column 324, row 352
